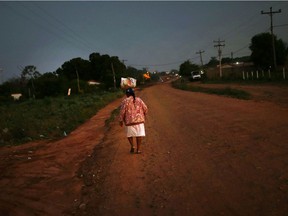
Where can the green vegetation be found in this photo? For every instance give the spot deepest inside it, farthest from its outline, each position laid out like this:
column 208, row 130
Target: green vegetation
column 227, row 91
column 43, row 112
column 49, row 118
column 262, row 52
column 113, row 115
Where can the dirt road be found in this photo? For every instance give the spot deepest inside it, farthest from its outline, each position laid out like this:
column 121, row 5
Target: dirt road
column 203, row 155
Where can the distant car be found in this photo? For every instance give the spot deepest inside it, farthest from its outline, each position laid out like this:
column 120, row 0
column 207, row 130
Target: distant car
column 196, row 75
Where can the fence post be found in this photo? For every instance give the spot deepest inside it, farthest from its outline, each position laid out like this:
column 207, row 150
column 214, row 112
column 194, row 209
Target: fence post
column 262, row 74
column 243, row 75
column 269, row 74
column 247, row 75
column 257, row 74
column 284, row 75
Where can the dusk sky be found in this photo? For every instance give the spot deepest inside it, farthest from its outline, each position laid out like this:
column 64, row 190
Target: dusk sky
column 158, row 35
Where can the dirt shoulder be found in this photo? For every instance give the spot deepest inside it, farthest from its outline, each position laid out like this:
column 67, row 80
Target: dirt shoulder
column 41, row 178
column 273, row 93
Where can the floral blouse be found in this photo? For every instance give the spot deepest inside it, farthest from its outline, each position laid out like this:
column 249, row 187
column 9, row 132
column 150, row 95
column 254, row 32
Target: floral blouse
column 132, row 112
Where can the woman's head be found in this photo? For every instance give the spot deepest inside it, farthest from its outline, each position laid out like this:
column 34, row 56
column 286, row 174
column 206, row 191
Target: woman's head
column 130, row 92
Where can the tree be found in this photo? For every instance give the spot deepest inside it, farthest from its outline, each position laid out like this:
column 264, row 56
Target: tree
column 13, row 85
column 118, row 67
column 262, row 53
column 213, row 62
column 187, row 67
column 48, row 85
column 96, row 65
column 75, row 68
column 105, row 69
column 102, row 68
column 29, row 74
column 226, row 60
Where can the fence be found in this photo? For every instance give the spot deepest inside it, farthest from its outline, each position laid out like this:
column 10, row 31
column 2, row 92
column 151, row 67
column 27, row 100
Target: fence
column 247, row 74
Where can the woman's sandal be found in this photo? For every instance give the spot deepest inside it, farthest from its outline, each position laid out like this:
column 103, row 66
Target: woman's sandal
column 138, row 152
column 132, row 150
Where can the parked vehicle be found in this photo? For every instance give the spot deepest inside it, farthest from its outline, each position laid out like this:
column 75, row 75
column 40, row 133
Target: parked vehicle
column 196, row 75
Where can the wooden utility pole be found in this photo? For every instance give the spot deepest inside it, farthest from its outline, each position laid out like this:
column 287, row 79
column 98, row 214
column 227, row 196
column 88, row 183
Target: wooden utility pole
column 114, row 79
column 219, row 45
column 200, row 53
column 78, row 83
column 272, row 34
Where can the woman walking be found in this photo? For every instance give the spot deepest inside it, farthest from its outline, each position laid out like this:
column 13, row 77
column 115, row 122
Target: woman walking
column 132, row 113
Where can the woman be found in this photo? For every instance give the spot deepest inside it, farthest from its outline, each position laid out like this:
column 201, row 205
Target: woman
column 132, row 113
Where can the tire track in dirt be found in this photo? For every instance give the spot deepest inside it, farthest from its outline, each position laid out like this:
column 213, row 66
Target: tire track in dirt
column 41, row 178
column 203, row 155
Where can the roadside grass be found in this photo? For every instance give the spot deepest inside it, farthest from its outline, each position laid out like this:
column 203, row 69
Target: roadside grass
column 49, row 118
column 227, row 91
column 112, row 117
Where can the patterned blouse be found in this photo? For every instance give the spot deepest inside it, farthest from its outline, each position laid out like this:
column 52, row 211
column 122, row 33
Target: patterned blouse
column 131, row 112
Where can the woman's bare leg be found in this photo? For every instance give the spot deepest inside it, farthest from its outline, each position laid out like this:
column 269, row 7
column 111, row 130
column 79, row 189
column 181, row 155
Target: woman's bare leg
column 139, row 141
column 130, row 139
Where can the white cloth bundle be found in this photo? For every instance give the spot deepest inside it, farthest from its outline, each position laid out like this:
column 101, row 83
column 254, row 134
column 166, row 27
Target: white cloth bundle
column 128, row 82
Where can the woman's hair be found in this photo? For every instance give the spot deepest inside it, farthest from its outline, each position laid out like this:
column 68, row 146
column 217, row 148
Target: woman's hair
column 130, row 92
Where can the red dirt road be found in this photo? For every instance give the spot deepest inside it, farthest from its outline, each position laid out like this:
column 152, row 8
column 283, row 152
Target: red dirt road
column 203, row 155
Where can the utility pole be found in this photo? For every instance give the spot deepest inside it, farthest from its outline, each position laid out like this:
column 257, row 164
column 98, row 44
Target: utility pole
column 114, row 79
column 271, row 29
column 219, row 45
column 232, row 61
column 78, row 83
column 200, row 53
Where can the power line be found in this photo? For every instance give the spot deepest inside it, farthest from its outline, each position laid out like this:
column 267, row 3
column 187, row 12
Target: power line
column 154, row 65
column 72, row 32
column 238, row 28
column 280, row 25
column 58, row 34
column 246, row 46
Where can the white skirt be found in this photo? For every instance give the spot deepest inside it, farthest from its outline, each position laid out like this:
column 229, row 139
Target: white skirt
column 137, row 130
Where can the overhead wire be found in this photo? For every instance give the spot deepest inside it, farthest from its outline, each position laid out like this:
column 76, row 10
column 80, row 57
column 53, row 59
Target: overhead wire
column 248, row 23
column 59, row 31
column 154, row 65
column 70, row 31
column 242, row 48
column 86, row 45
column 63, row 35
column 249, row 20
column 280, row 25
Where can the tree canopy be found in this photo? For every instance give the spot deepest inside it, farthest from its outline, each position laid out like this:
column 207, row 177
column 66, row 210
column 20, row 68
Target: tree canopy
column 101, row 68
column 108, row 70
column 187, row 67
column 262, row 51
